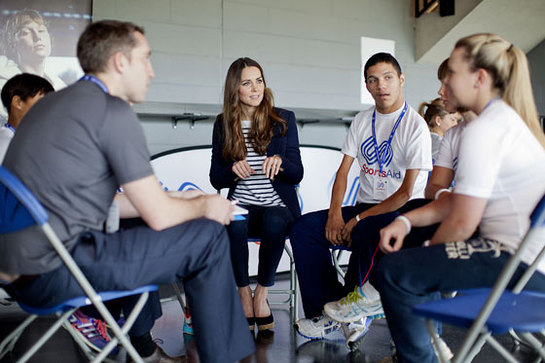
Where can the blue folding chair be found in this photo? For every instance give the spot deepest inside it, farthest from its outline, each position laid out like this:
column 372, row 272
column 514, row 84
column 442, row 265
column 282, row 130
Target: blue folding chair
column 19, row 209
column 496, row 310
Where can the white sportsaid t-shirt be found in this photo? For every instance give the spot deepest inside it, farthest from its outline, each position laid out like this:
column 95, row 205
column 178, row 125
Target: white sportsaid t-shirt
column 410, row 149
column 501, row 160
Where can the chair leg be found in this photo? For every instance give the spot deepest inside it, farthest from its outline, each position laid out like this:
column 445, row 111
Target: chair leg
column 8, row 343
column 46, row 336
column 179, row 296
column 534, row 343
column 500, row 349
column 89, row 353
column 121, row 335
column 293, row 286
column 336, row 255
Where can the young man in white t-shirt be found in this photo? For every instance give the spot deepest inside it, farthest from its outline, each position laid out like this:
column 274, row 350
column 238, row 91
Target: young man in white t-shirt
column 392, row 146
column 499, row 179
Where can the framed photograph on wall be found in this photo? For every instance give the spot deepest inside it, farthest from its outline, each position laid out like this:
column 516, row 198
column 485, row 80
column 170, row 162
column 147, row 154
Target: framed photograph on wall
column 40, row 37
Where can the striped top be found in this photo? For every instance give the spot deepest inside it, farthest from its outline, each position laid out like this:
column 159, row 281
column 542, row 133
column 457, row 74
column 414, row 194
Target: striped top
column 257, row 189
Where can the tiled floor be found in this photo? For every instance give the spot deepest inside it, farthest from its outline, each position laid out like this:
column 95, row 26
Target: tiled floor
column 278, row 346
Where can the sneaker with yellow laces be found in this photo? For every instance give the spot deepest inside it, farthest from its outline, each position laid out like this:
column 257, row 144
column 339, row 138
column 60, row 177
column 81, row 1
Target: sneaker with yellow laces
column 356, row 305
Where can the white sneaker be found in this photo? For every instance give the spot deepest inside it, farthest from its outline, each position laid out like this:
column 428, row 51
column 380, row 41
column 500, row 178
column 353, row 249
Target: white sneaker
column 353, row 332
column 353, row 307
column 316, row 328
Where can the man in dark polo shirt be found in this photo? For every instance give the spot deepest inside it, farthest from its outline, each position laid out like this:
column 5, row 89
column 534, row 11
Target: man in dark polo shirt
column 74, row 150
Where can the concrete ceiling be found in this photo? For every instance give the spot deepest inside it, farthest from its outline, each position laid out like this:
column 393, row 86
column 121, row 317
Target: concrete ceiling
column 519, row 21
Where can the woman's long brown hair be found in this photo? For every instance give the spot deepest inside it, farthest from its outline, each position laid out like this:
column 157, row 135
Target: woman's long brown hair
column 264, row 118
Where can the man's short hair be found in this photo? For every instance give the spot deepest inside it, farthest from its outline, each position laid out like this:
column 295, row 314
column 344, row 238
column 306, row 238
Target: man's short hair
column 381, row 58
column 24, row 85
column 100, row 40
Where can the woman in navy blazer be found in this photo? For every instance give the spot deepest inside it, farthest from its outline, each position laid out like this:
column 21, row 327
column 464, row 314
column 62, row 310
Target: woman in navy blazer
column 255, row 153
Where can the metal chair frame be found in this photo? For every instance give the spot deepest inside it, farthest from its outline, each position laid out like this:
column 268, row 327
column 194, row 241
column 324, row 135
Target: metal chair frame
column 481, row 319
column 38, row 216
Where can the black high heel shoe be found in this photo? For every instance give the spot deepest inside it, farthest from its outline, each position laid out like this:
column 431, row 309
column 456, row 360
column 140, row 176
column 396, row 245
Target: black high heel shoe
column 266, row 322
column 251, row 323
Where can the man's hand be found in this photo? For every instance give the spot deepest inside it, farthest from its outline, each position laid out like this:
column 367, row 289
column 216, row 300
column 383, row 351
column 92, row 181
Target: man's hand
column 242, row 169
column 333, row 230
column 217, row 208
column 397, row 230
column 271, row 166
column 186, row 194
column 347, row 231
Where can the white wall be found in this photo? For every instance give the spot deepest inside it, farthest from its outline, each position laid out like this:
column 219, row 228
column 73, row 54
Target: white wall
column 309, row 49
column 536, row 59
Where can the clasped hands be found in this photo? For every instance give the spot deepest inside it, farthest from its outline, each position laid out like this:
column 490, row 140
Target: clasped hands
column 271, row 167
column 337, row 232
column 391, row 236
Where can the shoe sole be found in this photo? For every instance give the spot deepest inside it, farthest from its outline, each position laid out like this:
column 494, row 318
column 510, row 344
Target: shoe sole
column 354, row 345
column 352, row 318
column 265, row 327
column 317, row 338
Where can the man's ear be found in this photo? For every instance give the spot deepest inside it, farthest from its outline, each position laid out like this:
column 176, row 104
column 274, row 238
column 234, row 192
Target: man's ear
column 118, row 61
column 17, row 102
column 402, row 79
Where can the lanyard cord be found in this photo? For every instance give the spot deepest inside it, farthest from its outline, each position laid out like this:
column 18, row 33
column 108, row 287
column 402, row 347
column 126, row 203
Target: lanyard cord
column 95, row 80
column 380, row 159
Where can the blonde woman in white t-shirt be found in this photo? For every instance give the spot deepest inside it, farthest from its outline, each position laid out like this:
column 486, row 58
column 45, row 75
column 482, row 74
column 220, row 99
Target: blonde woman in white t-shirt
column 500, row 177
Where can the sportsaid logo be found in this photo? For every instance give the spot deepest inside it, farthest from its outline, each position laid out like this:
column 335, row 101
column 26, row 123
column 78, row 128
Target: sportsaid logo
column 367, row 150
column 384, row 174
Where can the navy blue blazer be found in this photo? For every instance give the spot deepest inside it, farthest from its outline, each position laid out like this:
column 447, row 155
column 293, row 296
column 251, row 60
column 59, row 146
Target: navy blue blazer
column 287, row 147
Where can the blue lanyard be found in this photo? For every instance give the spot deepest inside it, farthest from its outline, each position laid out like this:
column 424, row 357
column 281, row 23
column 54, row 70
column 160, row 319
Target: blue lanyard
column 381, row 159
column 9, row 127
column 95, row 80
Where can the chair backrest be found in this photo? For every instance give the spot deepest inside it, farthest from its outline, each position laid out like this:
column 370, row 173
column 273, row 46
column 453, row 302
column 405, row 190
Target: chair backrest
column 184, row 168
column 188, row 168
column 19, row 208
column 537, row 224
column 321, row 164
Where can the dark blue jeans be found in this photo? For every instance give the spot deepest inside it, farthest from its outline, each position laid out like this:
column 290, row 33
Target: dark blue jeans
column 318, row 280
column 366, row 237
column 413, row 276
column 195, row 252
column 271, row 225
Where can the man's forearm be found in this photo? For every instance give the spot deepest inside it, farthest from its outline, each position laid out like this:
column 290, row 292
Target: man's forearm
column 390, row 204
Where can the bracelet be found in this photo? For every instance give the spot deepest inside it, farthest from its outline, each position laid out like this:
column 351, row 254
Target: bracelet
column 406, row 221
column 438, row 193
column 358, row 218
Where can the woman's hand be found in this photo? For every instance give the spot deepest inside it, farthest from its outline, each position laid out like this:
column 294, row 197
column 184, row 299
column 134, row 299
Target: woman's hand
column 271, row 166
column 242, row 169
column 396, row 231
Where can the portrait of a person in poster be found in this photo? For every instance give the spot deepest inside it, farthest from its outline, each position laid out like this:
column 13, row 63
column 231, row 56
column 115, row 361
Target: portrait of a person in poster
column 40, row 37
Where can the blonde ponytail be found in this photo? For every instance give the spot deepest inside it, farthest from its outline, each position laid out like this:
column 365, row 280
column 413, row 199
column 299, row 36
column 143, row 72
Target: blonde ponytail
column 508, row 66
